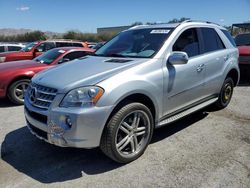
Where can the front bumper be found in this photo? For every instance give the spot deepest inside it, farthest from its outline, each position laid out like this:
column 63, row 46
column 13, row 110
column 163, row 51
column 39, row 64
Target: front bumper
column 85, row 132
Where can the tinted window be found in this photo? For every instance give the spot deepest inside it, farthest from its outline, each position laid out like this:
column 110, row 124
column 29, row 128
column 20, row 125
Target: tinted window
column 49, row 46
column 63, row 44
column 14, row 48
column 229, row 36
column 77, row 44
column 188, row 42
column 212, row 41
column 1, row 48
column 243, row 40
column 74, row 55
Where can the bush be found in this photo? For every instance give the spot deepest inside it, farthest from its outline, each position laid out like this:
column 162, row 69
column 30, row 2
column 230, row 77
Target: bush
column 27, row 37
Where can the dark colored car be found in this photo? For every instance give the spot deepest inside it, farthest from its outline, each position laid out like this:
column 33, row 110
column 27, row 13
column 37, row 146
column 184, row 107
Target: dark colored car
column 243, row 43
column 15, row 76
column 34, row 49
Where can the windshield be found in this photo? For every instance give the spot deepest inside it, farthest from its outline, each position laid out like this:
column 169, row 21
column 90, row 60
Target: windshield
column 28, row 47
column 243, row 40
column 143, row 43
column 49, row 56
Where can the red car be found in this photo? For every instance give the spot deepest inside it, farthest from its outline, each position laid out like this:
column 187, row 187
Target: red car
column 35, row 49
column 15, row 76
column 243, row 43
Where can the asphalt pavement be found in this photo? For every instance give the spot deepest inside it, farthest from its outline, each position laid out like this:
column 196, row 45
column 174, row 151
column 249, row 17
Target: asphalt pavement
column 206, row 149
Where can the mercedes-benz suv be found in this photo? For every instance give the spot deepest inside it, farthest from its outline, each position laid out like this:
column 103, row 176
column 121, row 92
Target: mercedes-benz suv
column 142, row 79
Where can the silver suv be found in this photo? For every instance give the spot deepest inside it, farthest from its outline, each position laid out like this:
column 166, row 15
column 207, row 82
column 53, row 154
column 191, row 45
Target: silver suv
column 142, row 79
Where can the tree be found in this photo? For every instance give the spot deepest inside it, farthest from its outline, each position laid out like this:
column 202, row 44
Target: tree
column 176, row 20
column 136, row 23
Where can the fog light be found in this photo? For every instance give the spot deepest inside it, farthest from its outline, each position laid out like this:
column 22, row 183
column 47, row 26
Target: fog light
column 68, row 121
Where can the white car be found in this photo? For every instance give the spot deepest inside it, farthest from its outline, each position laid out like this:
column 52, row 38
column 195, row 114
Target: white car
column 10, row 47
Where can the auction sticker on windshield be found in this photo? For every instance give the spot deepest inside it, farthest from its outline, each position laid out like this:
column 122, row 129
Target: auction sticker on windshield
column 160, row 31
column 61, row 51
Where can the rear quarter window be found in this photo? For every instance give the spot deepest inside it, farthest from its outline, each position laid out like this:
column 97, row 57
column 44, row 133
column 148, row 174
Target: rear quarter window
column 229, row 37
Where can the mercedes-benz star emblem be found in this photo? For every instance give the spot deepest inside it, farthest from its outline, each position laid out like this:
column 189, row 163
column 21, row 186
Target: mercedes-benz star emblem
column 33, row 94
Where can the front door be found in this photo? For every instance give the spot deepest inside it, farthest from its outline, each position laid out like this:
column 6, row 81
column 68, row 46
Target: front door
column 184, row 84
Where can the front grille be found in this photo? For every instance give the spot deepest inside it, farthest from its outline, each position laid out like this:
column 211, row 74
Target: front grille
column 41, row 96
column 39, row 117
column 244, row 59
column 37, row 131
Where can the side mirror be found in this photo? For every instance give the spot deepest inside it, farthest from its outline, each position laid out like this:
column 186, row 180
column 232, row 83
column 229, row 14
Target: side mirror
column 178, row 58
column 63, row 60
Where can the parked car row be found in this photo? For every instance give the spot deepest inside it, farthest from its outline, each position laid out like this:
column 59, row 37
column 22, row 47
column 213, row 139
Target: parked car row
column 35, row 49
column 16, row 75
column 142, row 79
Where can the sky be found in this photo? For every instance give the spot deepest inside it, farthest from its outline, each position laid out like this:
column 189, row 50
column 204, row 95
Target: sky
column 86, row 16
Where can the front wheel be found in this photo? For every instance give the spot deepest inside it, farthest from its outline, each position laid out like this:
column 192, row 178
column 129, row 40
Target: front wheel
column 16, row 91
column 128, row 133
column 225, row 93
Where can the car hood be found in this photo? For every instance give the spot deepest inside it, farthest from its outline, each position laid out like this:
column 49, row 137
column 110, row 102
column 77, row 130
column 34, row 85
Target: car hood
column 88, row 71
column 244, row 50
column 14, row 65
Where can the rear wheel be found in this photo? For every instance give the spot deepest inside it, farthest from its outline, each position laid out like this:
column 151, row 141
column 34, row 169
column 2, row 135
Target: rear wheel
column 128, row 133
column 225, row 93
column 17, row 89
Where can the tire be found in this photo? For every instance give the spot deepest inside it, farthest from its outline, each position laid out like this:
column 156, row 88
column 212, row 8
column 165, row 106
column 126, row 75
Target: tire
column 16, row 91
column 225, row 94
column 123, row 131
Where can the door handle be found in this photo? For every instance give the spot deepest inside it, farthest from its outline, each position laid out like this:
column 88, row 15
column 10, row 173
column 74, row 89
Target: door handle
column 200, row 67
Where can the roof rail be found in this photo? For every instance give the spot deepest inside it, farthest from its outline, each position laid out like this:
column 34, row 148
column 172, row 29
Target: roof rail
column 208, row 22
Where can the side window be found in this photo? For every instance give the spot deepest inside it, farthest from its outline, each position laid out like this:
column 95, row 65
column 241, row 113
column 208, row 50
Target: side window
column 73, row 55
column 188, row 42
column 14, row 48
column 49, row 46
column 2, row 49
column 212, row 41
column 77, row 45
column 63, row 44
column 41, row 47
column 229, row 37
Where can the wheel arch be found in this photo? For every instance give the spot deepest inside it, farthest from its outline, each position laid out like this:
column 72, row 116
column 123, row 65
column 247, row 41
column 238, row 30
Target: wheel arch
column 234, row 74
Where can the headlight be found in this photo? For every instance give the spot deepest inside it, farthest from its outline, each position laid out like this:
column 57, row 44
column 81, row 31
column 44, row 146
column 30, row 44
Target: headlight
column 2, row 59
column 82, row 97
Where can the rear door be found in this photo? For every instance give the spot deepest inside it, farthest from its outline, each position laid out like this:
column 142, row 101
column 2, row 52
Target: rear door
column 184, row 83
column 215, row 57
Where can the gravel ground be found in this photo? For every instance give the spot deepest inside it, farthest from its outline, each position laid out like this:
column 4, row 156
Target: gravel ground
column 207, row 149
